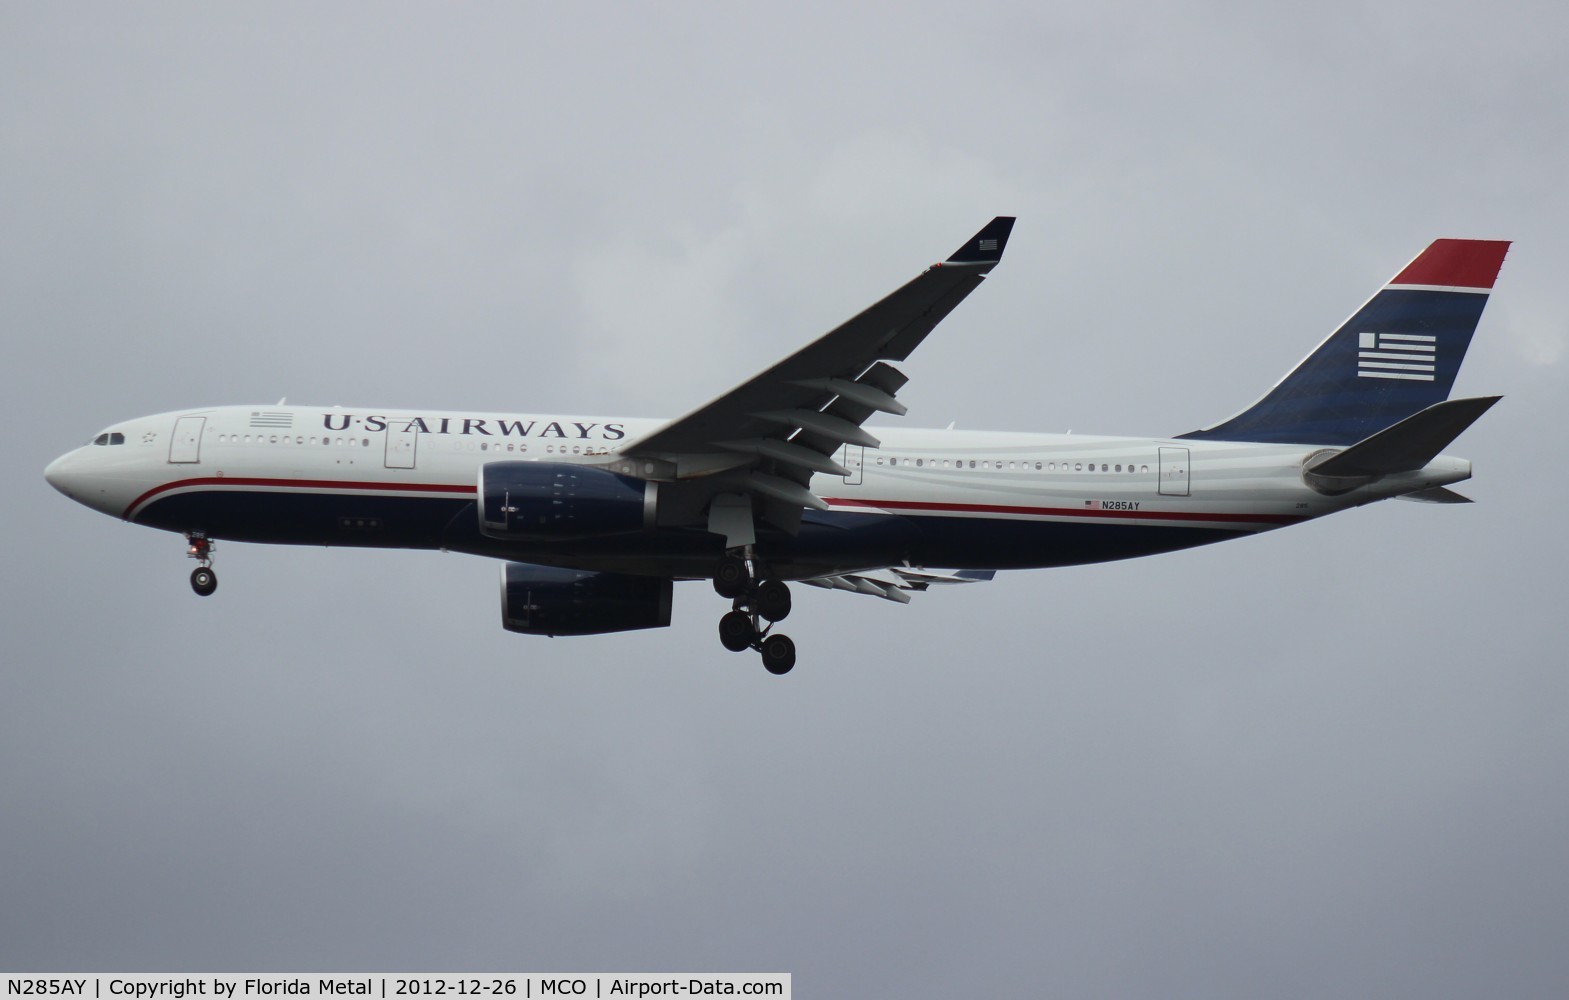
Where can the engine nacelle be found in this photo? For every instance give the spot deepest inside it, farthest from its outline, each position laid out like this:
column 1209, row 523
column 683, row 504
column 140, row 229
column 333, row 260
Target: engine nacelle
column 545, row 600
column 545, row 501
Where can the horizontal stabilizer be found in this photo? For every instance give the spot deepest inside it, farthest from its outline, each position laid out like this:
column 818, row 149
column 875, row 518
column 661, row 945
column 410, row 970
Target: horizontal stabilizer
column 1408, row 445
column 1438, row 494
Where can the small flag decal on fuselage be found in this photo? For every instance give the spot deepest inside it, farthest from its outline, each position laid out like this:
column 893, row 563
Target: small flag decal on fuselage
column 1408, row 356
column 274, row 419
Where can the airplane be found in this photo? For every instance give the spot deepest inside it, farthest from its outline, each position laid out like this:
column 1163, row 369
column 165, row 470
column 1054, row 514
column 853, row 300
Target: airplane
column 780, row 481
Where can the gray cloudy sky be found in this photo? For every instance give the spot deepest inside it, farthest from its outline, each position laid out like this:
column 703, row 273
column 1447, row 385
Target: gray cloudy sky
column 1325, row 762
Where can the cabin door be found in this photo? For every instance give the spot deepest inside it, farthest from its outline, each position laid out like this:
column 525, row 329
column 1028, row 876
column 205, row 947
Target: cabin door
column 1174, row 472
column 185, row 447
column 401, row 446
column 851, row 458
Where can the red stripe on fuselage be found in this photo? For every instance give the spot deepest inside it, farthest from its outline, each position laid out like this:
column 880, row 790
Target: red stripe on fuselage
column 298, row 484
column 1139, row 515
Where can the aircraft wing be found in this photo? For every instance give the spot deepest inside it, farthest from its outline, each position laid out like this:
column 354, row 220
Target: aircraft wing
column 786, row 423
column 896, row 582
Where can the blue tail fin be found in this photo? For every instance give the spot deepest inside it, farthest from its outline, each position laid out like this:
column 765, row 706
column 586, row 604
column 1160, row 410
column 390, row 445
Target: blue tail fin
column 1396, row 356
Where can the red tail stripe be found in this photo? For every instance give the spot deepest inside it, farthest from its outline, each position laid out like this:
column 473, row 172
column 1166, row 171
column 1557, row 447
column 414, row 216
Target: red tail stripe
column 1456, row 264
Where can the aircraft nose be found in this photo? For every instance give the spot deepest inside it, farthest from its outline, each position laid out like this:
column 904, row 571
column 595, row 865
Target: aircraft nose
column 58, row 473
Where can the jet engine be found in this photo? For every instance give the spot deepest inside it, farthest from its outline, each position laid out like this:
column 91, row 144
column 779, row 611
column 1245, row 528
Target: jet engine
column 545, row 600
column 547, row 501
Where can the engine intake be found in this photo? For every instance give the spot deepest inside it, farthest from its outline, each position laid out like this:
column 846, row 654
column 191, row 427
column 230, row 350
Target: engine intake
column 555, row 500
column 545, row 600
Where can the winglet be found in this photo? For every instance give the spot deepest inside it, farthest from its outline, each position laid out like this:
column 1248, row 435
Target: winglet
column 986, row 246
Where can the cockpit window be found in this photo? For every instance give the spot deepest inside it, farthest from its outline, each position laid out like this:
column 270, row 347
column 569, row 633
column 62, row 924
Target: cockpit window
column 117, row 438
column 109, row 438
column 101, row 439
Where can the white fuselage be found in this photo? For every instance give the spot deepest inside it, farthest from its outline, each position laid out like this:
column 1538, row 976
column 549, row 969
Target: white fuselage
column 307, row 475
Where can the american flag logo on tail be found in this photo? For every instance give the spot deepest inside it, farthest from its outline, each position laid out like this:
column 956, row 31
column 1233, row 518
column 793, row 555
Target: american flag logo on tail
column 1409, row 356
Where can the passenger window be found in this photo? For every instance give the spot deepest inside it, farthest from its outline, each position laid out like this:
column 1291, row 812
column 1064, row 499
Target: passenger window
column 1078, row 466
column 917, row 463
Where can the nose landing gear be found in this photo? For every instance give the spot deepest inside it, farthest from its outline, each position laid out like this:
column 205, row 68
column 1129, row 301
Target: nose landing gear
column 203, row 580
column 754, row 602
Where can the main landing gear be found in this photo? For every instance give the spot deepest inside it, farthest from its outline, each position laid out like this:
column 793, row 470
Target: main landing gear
column 203, row 580
column 754, row 602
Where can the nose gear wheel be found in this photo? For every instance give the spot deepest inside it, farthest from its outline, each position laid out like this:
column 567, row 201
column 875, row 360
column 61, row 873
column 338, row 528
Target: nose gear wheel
column 203, row 580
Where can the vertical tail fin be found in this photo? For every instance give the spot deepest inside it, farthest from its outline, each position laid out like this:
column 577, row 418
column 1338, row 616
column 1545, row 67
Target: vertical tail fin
column 1397, row 355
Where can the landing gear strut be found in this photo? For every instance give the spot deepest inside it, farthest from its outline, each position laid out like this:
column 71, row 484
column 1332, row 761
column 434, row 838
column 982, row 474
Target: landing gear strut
column 203, row 580
column 755, row 602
